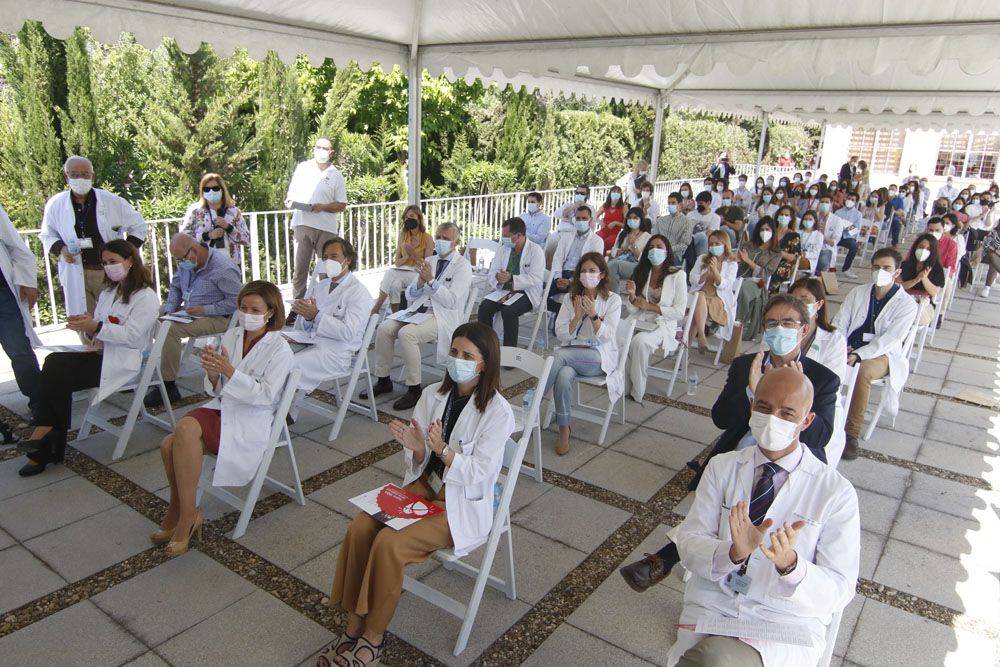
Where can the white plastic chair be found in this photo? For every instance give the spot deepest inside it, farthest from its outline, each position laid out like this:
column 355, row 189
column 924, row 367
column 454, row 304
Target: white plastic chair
column 279, row 437
column 737, row 286
column 148, row 376
column 928, row 331
column 345, row 398
column 512, row 460
column 602, row 416
column 682, row 353
column 541, row 315
column 189, row 346
column 529, row 423
column 831, row 640
column 908, row 342
column 941, row 309
column 835, row 448
column 480, row 244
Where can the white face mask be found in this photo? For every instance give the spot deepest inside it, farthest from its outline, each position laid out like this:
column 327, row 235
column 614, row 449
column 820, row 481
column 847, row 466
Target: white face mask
column 850, row 203
column 812, row 308
column 771, row 432
column 321, row 154
column 333, row 268
column 922, row 254
column 881, row 278
column 81, row 186
column 937, row 235
column 252, row 321
column 765, row 236
column 590, row 280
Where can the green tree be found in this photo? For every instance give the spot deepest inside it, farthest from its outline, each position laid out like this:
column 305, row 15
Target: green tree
column 78, row 120
column 691, row 144
column 593, row 147
column 544, row 162
column 517, row 141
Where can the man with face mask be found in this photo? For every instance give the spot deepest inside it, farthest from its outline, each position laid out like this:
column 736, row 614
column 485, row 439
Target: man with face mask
column 334, row 314
column 947, row 247
column 876, row 318
column 948, row 190
column 833, row 227
column 851, row 215
column 517, row 268
column 205, row 286
column 76, row 224
column 787, row 548
column 565, row 217
column 722, row 170
column 568, row 253
column 318, row 194
column 538, row 224
column 849, row 169
column 743, row 195
column 675, row 226
column 786, row 322
column 436, row 297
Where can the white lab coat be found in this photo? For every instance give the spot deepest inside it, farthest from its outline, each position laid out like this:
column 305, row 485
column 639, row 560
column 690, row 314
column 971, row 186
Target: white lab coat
column 248, row 401
column 591, row 243
column 724, row 290
column 812, row 245
column 124, row 341
column 673, row 304
column 478, row 440
column 532, row 271
column 833, row 229
column 19, row 268
column 743, row 198
column 830, row 349
column 447, row 295
column 116, row 219
column 337, row 330
column 891, row 327
column 828, row 547
column 609, row 308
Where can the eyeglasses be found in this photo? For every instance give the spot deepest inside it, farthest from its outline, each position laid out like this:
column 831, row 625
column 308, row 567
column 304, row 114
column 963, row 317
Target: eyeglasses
column 787, row 324
column 212, row 188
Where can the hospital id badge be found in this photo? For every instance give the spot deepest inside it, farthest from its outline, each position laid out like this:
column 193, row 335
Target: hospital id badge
column 738, row 583
column 435, row 482
column 867, row 337
column 86, row 243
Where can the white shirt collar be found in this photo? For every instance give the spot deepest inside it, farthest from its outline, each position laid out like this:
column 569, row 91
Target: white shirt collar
column 788, row 462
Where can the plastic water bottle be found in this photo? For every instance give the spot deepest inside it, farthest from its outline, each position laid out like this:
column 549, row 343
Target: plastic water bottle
column 529, row 398
column 74, row 246
column 480, row 265
column 692, row 383
column 497, row 491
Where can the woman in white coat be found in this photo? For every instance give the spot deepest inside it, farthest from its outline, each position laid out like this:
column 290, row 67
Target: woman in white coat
column 657, row 298
column 118, row 333
column 245, row 374
column 334, row 313
column 811, row 239
column 587, row 327
column 453, row 451
column 713, row 277
column 823, row 342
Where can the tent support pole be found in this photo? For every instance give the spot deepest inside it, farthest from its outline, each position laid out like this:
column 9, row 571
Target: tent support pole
column 654, row 163
column 763, row 140
column 413, row 131
column 822, row 143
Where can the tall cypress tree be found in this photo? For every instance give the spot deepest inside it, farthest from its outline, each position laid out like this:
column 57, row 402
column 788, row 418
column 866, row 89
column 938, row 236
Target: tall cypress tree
column 78, row 120
column 517, row 141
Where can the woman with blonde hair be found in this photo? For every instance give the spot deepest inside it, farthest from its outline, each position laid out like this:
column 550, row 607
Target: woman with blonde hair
column 712, row 277
column 215, row 219
column 413, row 246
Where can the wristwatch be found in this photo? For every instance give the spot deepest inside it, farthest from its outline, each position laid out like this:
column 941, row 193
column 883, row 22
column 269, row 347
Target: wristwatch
column 444, row 452
column 596, row 318
column 788, row 570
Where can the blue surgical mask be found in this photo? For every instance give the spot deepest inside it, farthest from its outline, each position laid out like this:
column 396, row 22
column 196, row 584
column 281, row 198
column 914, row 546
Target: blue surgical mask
column 212, row 196
column 583, row 226
column 187, row 264
column 532, row 207
column 633, row 223
column 657, row 256
column 442, row 246
column 716, row 250
column 672, row 208
column 578, row 198
column 461, row 370
column 808, row 223
column 783, row 220
column 781, row 341
column 507, row 242
column 766, row 198
column 616, row 197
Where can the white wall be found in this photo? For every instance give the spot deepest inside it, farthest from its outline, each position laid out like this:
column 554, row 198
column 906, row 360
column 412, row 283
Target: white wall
column 836, row 141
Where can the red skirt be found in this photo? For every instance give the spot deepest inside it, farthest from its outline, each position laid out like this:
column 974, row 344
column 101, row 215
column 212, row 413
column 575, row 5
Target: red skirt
column 211, row 427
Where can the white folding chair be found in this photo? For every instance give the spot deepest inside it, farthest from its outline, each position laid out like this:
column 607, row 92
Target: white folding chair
column 602, row 416
column 148, row 376
column 512, row 459
column 941, row 309
column 479, row 245
column 737, row 286
column 529, row 423
column 345, row 397
column 541, row 315
column 838, row 440
column 189, row 346
column 928, row 331
column 279, row 437
column 831, row 640
column 908, row 342
column 681, row 354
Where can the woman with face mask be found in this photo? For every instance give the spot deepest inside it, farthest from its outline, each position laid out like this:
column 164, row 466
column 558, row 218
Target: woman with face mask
column 413, row 246
column 215, row 219
column 789, row 243
column 628, row 248
column 687, row 197
column 587, row 328
column 872, row 216
column 245, row 374
column 767, row 207
column 453, row 451
column 712, row 277
column 118, row 333
column 922, row 275
column 657, row 298
column 612, row 217
column 838, row 192
column 823, row 342
column 759, row 257
column 811, row 239
column 810, row 200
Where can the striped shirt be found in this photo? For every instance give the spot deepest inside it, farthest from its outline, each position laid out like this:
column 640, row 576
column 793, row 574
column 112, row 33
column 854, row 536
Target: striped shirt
column 213, row 286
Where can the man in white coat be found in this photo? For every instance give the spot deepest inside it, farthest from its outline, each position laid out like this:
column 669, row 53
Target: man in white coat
column 76, row 223
column 571, row 248
column 516, row 276
column 436, row 300
column 773, row 540
column 876, row 317
column 335, row 314
column 18, row 293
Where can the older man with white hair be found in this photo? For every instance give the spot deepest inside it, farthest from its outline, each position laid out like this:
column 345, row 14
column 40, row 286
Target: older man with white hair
column 77, row 223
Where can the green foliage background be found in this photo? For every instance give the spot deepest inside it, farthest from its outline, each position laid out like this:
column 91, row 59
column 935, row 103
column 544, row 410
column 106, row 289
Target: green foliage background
column 154, row 121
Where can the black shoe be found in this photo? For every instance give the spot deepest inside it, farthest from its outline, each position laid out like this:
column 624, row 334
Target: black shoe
column 851, row 449
column 153, row 398
column 643, row 574
column 30, row 469
column 409, row 399
column 382, row 386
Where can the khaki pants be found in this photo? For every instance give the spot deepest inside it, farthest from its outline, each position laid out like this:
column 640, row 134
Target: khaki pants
column 369, row 576
column 93, row 285
column 715, row 650
column 170, row 360
column 308, row 242
column 410, row 337
column 870, row 370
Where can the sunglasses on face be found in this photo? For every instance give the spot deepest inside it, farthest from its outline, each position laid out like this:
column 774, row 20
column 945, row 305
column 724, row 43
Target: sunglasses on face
column 212, row 188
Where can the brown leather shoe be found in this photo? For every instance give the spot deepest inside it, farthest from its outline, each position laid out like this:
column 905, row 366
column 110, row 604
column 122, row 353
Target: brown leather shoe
column 851, row 449
column 645, row 573
column 407, row 400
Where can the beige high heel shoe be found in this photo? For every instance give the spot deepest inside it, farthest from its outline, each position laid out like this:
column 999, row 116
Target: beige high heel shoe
column 161, row 536
column 177, row 548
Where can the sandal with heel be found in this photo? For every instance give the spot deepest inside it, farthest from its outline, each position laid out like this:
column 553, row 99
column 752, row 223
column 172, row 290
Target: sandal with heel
column 352, row 659
column 341, row 645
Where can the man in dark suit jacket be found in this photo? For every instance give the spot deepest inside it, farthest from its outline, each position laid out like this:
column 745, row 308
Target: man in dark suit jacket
column 848, row 169
column 785, row 325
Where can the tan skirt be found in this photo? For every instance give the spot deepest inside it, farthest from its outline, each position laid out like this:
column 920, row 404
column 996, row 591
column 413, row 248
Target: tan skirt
column 716, row 308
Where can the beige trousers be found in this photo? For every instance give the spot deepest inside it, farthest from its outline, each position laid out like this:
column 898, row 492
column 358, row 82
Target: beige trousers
column 410, row 337
column 93, row 285
column 871, row 369
column 714, row 651
column 170, row 360
column 308, row 243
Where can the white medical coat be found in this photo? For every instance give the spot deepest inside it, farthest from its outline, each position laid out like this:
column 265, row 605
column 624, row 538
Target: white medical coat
column 125, row 335
column 609, row 309
column 532, row 271
column 447, row 295
column 19, row 268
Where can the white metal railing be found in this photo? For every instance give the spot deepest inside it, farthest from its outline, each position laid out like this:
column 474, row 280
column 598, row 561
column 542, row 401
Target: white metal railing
column 745, row 169
column 372, row 228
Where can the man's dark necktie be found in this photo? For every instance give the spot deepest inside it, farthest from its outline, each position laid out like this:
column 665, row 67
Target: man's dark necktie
column 763, row 493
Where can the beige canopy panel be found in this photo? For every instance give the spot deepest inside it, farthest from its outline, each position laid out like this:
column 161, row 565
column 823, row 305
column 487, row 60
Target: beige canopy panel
column 919, row 63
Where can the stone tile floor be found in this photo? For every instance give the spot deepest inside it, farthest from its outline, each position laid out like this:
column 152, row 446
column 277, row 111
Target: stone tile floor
column 82, row 585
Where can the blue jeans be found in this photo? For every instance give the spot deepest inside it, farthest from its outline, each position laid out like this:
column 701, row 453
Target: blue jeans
column 895, row 227
column 555, row 303
column 852, row 250
column 17, row 347
column 567, row 364
column 619, row 270
column 823, row 263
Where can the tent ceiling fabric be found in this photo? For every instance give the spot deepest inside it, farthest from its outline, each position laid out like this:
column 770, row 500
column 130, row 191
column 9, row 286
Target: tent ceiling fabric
column 921, row 63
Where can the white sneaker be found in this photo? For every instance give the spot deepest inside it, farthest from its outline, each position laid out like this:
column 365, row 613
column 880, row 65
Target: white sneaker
column 850, row 274
column 985, row 292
